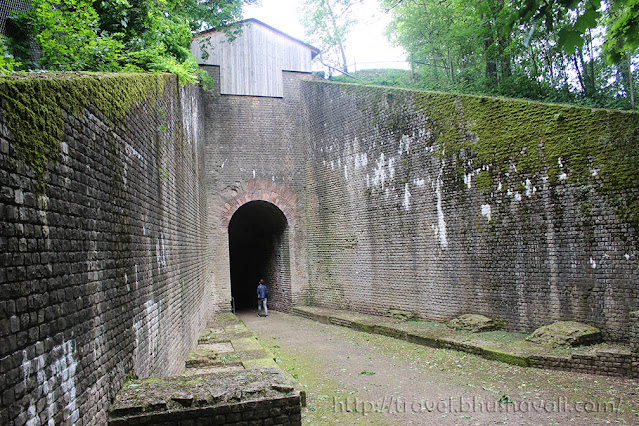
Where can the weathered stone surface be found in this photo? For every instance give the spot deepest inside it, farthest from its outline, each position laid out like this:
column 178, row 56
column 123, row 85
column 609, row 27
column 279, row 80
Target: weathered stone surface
column 475, row 323
column 209, row 398
column 391, row 198
column 508, row 347
column 103, row 271
column 219, row 379
column 566, row 333
column 634, row 332
column 399, row 314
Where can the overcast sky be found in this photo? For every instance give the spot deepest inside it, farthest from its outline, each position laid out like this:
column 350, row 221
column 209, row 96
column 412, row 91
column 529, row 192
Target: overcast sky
column 366, row 47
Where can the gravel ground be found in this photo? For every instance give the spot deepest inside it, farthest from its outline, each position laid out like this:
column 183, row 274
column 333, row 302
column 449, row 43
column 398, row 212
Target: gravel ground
column 353, row 377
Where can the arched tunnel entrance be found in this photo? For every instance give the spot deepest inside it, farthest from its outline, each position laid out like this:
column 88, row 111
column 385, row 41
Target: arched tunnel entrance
column 259, row 248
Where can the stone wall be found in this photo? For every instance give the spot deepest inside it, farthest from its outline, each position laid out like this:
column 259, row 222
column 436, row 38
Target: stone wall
column 117, row 194
column 255, row 151
column 104, row 265
column 634, row 332
column 446, row 204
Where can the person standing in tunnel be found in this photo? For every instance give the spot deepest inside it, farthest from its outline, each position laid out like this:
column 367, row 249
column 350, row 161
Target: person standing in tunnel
column 262, row 296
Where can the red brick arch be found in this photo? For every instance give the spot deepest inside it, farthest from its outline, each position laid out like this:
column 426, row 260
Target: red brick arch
column 262, row 190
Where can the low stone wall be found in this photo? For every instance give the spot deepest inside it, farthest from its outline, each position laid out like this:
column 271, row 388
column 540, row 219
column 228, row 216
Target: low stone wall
column 230, row 378
column 258, row 397
column 608, row 360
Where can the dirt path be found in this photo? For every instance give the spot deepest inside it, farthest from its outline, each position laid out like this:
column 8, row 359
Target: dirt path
column 358, row 378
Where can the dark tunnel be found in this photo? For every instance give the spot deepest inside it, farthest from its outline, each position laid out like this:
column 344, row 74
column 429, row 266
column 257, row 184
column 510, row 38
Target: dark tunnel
column 258, row 248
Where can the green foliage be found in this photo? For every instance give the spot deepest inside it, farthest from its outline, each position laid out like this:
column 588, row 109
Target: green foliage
column 122, row 35
column 69, row 37
column 623, row 35
column 496, row 48
column 8, row 63
column 575, row 19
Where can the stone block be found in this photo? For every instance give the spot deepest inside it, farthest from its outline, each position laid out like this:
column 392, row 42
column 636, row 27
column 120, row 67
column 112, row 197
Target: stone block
column 566, row 333
column 475, row 323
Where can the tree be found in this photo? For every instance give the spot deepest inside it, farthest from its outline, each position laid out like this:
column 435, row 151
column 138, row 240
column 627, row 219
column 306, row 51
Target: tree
column 129, row 35
column 576, row 18
column 553, row 50
column 8, row 64
column 462, row 37
column 578, row 22
column 327, row 23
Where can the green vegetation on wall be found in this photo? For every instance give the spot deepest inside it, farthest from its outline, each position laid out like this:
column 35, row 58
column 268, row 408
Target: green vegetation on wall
column 32, row 108
column 530, row 139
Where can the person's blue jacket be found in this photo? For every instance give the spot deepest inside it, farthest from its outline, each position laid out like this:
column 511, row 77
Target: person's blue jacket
column 262, row 292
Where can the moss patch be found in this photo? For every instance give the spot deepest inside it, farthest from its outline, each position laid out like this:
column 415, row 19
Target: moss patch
column 33, row 107
column 475, row 323
column 510, row 137
column 566, row 333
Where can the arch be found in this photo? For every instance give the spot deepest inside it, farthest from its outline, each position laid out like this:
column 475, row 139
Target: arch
column 259, row 248
column 265, row 190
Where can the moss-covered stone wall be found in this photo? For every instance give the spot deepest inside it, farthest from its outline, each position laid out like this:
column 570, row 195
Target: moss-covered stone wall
column 117, row 192
column 445, row 204
column 103, row 255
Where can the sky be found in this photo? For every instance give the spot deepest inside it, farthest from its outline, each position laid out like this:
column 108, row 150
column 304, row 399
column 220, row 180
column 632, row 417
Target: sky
column 366, row 45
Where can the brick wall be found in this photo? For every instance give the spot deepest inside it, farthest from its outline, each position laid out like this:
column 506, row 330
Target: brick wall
column 284, row 411
column 443, row 204
column 104, row 272
column 376, row 199
column 255, row 151
column 634, row 332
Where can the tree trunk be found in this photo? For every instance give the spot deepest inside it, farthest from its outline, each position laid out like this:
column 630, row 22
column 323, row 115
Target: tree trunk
column 579, row 76
column 504, row 58
column 631, row 90
column 491, row 63
column 452, row 70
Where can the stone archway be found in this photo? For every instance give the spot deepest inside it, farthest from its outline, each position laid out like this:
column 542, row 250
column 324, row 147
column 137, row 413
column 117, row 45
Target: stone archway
column 259, row 248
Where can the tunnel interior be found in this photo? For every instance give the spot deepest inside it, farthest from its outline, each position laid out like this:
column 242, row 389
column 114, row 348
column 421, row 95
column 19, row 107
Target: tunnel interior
column 258, row 248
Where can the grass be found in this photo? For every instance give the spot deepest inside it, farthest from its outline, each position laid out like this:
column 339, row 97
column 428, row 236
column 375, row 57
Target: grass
column 325, row 388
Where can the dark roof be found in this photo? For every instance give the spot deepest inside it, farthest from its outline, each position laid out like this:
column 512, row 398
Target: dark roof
column 314, row 50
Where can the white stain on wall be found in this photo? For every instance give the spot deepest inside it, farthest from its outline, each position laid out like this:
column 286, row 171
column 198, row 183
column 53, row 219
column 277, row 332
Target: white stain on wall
column 441, row 222
column 160, row 252
column 391, row 168
column 379, row 177
column 128, row 156
column 530, row 189
column 485, row 211
column 146, row 327
column 404, row 144
column 51, row 381
column 407, row 196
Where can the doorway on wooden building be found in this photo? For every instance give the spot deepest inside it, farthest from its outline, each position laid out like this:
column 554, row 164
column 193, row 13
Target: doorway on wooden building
column 259, row 248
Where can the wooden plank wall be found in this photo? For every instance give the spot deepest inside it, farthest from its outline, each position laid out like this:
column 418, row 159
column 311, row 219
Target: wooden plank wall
column 253, row 63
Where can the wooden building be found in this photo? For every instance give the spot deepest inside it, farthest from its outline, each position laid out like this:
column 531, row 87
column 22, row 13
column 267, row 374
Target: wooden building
column 253, row 62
